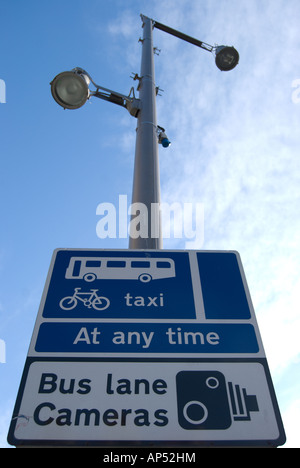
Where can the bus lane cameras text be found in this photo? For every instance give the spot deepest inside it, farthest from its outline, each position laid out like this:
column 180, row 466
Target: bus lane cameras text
column 47, row 412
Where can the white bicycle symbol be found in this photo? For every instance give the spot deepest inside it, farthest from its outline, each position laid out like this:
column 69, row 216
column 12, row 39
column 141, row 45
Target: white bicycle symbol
column 89, row 299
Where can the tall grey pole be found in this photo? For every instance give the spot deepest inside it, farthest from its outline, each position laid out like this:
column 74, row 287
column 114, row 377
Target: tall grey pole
column 146, row 184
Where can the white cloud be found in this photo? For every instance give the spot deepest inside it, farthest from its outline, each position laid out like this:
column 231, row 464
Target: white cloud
column 279, row 321
column 291, row 418
column 124, row 24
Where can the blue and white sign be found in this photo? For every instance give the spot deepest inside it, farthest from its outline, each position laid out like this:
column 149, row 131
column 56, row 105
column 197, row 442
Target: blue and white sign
column 130, row 303
column 146, row 347
column 158, row 338
column 118, row 285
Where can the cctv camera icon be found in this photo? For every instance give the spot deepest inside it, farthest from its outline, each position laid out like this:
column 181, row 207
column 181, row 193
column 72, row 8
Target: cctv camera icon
column 206, row 402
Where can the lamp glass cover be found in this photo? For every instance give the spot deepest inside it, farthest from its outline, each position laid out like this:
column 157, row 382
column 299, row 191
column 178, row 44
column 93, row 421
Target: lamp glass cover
column 70, row 90
column 226, row 58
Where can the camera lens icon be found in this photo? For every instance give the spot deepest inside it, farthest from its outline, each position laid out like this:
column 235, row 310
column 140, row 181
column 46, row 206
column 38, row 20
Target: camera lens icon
column 202, row 400
column 195, row 412
column 212, row 382
column 196, row 409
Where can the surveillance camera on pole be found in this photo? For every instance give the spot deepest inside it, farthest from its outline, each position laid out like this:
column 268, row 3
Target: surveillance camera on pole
column 162, row 137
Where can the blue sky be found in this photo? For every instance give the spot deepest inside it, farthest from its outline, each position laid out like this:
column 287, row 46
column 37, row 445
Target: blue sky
column 235, row 149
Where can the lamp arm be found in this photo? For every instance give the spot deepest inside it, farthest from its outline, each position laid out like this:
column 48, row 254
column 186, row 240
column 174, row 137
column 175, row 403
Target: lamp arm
column 183, row 36
column 131, row 103
column 108, row 94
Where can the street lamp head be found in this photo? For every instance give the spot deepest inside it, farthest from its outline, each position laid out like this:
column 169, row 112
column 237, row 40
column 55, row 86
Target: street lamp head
column 226, row 58
column 70, row 89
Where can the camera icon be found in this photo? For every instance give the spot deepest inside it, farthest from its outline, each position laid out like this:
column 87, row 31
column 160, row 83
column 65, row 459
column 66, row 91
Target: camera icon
column 205, row 401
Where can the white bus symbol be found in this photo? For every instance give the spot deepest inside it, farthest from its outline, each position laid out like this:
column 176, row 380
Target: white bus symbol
column 143, row 269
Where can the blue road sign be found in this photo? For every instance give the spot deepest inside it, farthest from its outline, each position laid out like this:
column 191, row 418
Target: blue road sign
column 158, row 285
column 114, row 284
column 184, row 295
column 146, row 345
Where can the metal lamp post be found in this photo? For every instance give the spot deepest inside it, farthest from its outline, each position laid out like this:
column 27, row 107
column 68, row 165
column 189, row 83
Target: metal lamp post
column 71, row 90
column 146, row 184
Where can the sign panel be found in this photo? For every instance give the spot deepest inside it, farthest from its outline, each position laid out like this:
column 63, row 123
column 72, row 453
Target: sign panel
column 177, row 403
column 132, row 303
column 164, row 343
column 158, row 338
column 120, row 284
